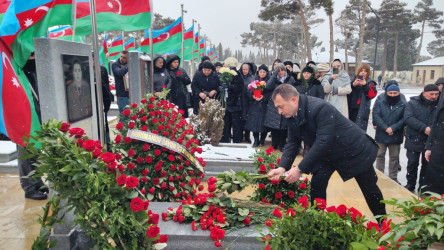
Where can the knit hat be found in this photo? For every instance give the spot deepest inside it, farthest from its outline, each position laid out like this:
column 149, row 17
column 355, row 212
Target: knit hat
column 218, row 64
column 205, row 58
column 430, row 87
column 279, row 66
column 310, row 62
column 323, row 67
column 207, row 65
column 308, row 69
column 440, row 81
column 296, row 68
column 231, row 62
column 393, row 87
column 264, row 67
column 288, row 63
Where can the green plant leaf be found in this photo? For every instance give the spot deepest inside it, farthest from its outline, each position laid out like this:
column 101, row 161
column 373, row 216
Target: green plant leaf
column 358, row 246
column 65, row 169
column 132, row 195
column 430, row 228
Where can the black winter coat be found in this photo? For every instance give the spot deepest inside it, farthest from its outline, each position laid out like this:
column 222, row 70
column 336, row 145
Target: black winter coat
column 418, row 116
column 256, row 109
column 385, row 116
column 234, row 99
column 273, row 119
column 246, row 80
column 180, row 80
column 435, row 143
column 361, row 98
column 106, row 94
column 333, row 140
column 119, row 72
column 314, row 89
column 162, row 78
column 203, row 84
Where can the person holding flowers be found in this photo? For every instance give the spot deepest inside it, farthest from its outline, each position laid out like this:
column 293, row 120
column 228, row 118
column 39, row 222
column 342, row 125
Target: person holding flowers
column 205, row 84
column 230, row 97
column 257, row 105
column 247, row 73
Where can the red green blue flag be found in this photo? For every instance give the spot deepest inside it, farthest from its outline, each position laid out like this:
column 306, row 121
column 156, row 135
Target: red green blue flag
column 65, row 33
column 115, row 48
column 130, row 45
column 165, row 40
column 4, row 4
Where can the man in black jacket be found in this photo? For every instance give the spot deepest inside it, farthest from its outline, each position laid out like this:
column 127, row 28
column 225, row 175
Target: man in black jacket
column 418, row 115
column 336, row 144
column 120, row 68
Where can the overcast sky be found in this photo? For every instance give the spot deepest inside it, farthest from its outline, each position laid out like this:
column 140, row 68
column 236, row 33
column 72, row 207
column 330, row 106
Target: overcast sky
column 224, row 21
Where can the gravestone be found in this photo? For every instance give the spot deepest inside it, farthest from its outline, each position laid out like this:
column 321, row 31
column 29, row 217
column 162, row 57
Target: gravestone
column 67, row 93
column 138, row 75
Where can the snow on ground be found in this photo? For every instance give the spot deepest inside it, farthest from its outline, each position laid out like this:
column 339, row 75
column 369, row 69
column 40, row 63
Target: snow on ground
column 227, row 151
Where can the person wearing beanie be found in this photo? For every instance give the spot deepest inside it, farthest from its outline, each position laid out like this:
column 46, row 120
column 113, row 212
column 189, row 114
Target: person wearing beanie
column 274, row 121
column 360, row 98
column 205, row 84
column 202, row 60
column 275, row 62
column 440, row 83
column 419, row 114
column 336, row 84
column 217, row 66
column 257, row 108
column 434, row 153
column 289, row 65
column 180, row 80
column 388, row 117
column 308, row 84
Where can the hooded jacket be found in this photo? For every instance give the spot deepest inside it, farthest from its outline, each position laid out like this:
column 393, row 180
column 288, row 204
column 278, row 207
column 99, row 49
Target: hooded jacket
column 161, row 77
column 384, row 115
column 180, row 80
column 336, row 90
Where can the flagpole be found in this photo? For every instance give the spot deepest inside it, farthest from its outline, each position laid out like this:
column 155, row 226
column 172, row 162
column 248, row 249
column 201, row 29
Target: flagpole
column 97, row 71
column 192, row 49
column 181, row 44
column 152, row 61
column 123, row 39
column 73, row 19
column 198, row 41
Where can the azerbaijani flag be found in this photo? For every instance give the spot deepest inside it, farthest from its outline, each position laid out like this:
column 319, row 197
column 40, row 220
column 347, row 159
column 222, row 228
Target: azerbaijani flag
column 26, row 19
column 130, row 45
column 103, row 54
column 210, row 52
column 65, row 33
column 4, row 4
column 214, row 57
column 165, row 40
column 124, row 15
column 115, row 48
column 188, row 37
column 196, row 46
column 202, row 47
column 17, row 113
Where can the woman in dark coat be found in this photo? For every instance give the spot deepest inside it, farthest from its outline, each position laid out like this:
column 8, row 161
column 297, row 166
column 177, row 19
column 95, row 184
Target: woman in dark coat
column 246, row 71
column 205, row 84
column 435, row 152
column 359, row 100
column 256, row 109
column 273, row 120
column 180, row 80
column 162, row 77
column 309, row 85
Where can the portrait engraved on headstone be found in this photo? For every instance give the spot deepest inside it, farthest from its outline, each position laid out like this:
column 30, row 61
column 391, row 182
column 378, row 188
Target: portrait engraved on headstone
column 78, row 87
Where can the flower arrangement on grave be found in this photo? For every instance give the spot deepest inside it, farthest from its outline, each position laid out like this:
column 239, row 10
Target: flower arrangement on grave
column 110, row 209
column 319, row 227
column 225, row 76
column 163, row 174
column 278, row 192
column 209, row 123
column 257, row 87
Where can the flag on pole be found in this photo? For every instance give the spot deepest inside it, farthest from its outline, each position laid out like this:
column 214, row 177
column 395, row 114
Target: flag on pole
column 165, row 40
column 26, row 19
column 4, row 4
column 65, row 33
column 130, row 45
column 202, row 47
column 115, row 48
column 124, row 15
column 188, row 37
column 17, row 113
column 103, row 55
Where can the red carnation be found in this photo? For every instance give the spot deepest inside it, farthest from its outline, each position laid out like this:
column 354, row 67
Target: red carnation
column 261, row 186
column 143, row 101
column 144, row 118
column 131, row 166
column 76, row 132
column 151, row 190
column 97, row 152
column 118, row 139
column 65, row 126
column 156, row 181
column 171, row 158
column 121, row 180
column 157, row 152
column 217, row 244
column 269, row 223
column 137, row 204
column 304, row 201
column 89, row 145
column 260, row 160
column 246, row 221
column 134, row 105
column 277, row 213
column 302, row 185
column 262, row 168
column 269, row 150
column 127, row 139
column 119, row 126
column 134, row 117
column 131, row 125
column 330, row 209
column 139, row 160
column 145, row 172
column 290, row 194
column 108, row 157
column 163, row 173
column 341, row 211
column 126, row 112
column 148, row 159
column 154, row 219
column 290, row 212
column 320, row 203
column 131, row 152
column 371, row 225
column 152, row 232
column 132, row 182
column 144, row 128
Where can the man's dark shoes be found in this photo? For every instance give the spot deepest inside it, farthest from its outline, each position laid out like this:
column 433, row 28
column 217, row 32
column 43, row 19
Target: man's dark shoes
column 256, row 143
column 36, row 195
